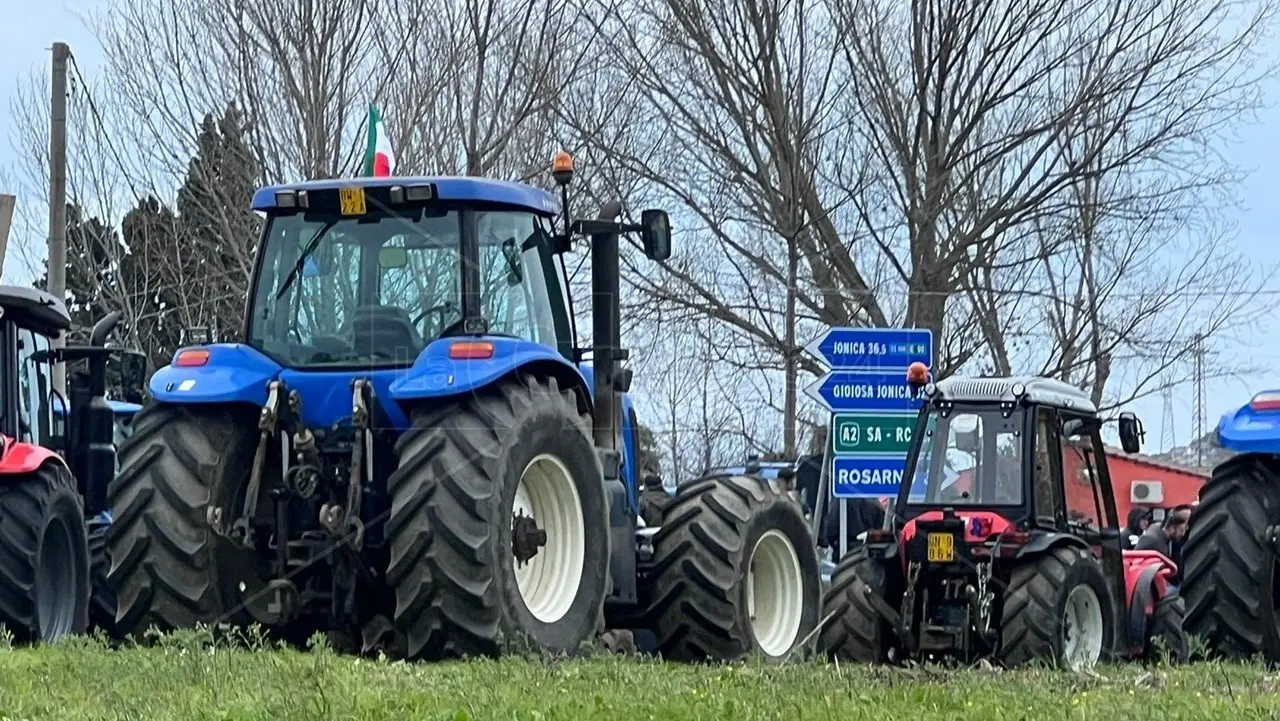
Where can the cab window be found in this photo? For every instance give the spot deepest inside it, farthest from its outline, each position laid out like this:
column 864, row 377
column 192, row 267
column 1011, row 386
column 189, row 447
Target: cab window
column 35, row 422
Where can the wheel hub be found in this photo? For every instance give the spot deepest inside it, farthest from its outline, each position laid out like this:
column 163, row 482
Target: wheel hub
column 526, row 537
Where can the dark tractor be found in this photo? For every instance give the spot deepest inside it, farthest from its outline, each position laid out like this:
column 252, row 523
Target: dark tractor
column 53, row 469
column 1004, row 541
column 405, row 449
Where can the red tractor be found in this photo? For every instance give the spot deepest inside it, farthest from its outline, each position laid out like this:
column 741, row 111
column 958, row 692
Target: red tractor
column 51, row 472
column 991, row 551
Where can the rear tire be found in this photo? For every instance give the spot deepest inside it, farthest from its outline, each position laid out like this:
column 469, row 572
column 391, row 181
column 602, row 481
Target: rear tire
column 44, row 555
column 465, row 469
column 713, row 533
column 102, row 600
column 167, row 565
column 1231, row 575
column 855, row 630
column 1166, row 637
column 1057, row 609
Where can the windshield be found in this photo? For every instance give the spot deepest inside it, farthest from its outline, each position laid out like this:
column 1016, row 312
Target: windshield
column 375, row 290
column 970, row 457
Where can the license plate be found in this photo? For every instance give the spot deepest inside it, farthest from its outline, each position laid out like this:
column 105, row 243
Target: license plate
column 351, row 201
column 942, row 548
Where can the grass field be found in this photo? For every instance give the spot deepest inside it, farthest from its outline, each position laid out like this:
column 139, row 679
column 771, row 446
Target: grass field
column 185, row 678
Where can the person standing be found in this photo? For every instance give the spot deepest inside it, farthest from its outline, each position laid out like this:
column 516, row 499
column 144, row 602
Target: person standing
column 1162, row 536
column 1135, row 526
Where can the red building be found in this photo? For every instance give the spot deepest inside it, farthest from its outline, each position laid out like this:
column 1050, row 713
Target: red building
column 1137, row 480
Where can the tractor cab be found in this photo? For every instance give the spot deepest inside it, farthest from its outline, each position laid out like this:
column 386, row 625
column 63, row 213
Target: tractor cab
column 1005, row 533
column 30, row 320
column 1008, row 447
column 369, row 277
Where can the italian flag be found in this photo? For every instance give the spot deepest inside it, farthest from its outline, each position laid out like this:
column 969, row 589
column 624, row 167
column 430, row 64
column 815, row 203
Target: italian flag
column 379, row 161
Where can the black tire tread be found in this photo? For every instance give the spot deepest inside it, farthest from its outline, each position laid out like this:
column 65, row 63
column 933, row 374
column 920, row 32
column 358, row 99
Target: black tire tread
column 1030, row 624
column 163, row 563
column 855, row 629
column 1167, row 625
column 698, row 559
column 102, row 600
column 1225, row 559
column 447, row 600
column 25, row 503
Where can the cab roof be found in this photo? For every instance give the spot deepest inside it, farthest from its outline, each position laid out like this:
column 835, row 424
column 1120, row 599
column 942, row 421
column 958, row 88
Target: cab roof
column 34, row 309
column 466, row 189
column 1043, row 391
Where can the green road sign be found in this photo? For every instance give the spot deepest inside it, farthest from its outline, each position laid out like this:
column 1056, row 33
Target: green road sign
column 872, row 434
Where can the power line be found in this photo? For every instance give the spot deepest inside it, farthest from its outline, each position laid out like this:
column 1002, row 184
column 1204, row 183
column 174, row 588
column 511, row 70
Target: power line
column 102, row 128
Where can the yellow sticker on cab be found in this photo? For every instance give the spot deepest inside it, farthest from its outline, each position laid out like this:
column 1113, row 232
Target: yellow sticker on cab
column 351, row 201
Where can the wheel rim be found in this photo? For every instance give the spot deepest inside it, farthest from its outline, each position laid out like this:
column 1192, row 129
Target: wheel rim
column 56, row 582
column 548, row 568
column 1082, row 628
column 775, row 593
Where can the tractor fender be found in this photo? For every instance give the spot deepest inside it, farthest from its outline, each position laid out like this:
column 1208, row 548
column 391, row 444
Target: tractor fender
column 1143, row 595
column 17, row 457
column 232, row 373
column 1044, row 542
column 437, row 375
column 1147, row 580
column 1245, row 430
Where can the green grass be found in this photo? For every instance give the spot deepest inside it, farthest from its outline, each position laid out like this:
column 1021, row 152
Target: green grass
column 185, row 678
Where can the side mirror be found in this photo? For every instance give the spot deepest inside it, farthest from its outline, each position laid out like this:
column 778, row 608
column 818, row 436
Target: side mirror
column 195, row 336
column 133, row 374
column 1131, row 433
column 655, row 234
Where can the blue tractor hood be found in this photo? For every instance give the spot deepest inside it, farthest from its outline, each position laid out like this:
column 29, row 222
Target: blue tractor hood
column 1253, row 427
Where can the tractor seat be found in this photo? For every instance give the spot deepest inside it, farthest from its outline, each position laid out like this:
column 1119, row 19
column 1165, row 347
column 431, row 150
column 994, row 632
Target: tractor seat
column 384, row 331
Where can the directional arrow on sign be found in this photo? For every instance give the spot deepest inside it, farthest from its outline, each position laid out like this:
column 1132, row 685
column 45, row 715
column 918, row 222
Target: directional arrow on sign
column 871, row 349
column 849, row 391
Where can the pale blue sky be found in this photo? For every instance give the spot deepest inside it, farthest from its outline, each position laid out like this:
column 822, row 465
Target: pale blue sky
column 24, row 45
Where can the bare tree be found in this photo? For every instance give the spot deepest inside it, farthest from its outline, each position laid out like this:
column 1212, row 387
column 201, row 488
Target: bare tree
column 985, row 169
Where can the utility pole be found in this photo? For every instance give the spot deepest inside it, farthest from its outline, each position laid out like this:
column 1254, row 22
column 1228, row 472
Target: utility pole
column 1198, row 384
column 57, row 265
column 1168, row 438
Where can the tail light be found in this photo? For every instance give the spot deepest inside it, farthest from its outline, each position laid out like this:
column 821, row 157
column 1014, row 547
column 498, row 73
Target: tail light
column 191, row 358
column 471, row 350
column 1015, row 538
column 879, row 536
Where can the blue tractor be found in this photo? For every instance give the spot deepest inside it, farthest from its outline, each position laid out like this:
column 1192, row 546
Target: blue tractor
column 406, row 449
column 1231, row 557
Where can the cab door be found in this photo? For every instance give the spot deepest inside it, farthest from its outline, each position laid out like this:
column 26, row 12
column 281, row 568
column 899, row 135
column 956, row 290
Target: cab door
column 1091, row 508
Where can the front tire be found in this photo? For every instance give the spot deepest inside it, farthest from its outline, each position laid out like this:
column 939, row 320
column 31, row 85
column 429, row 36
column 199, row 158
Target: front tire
column 478, row 481
column 167, row 565
column 735, row 572
column 856, row 631
column 1057, row 609
column 44, row 555
column 1231, row 574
